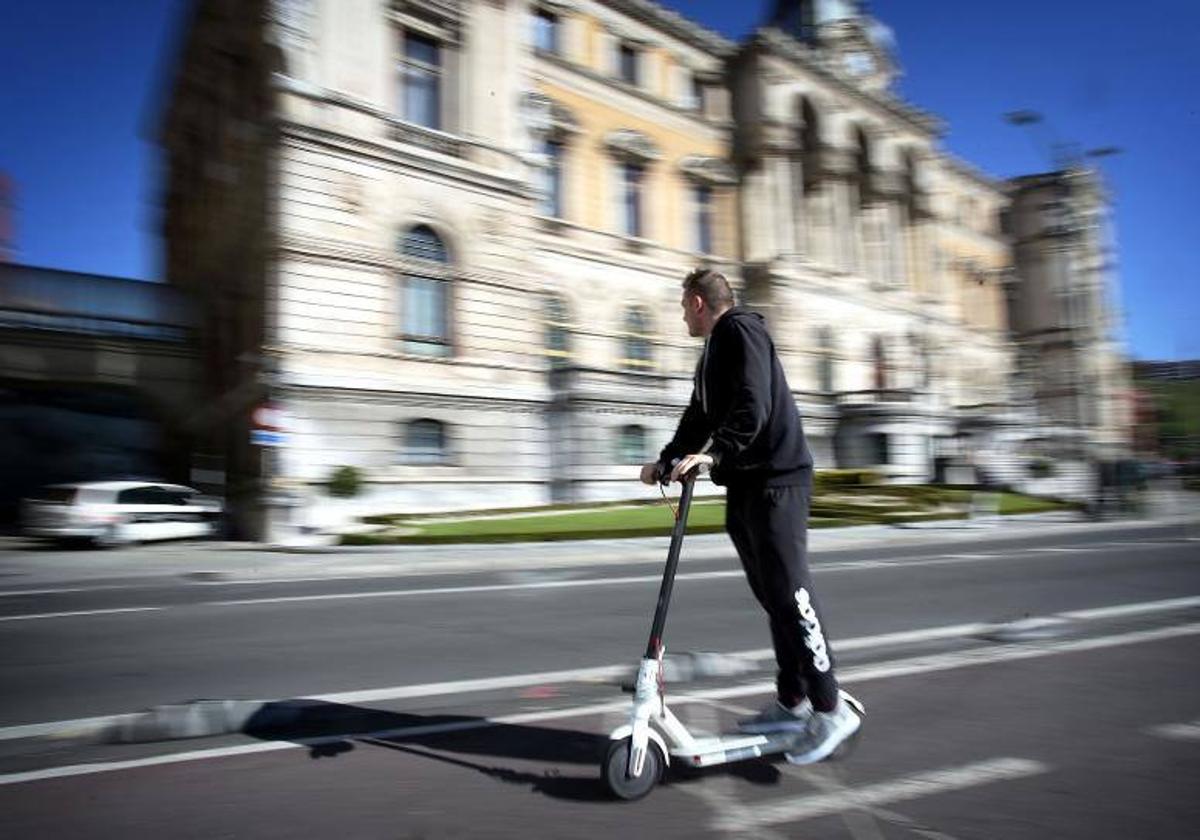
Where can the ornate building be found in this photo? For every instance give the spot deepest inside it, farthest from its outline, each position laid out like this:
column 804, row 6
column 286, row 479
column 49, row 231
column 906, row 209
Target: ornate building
column 878, row 256
column 446, row 238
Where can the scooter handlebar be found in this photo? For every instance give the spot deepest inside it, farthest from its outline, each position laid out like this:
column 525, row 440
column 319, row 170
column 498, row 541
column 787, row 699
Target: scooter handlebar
column 663, row 476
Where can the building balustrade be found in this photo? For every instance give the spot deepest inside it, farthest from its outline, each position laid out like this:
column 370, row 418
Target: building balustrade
column 572, row 382
column 427, row 138
column 876, row 396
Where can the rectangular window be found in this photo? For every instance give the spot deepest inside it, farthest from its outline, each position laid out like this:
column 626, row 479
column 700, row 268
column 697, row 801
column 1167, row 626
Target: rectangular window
column 425, row 321
column 880, row 456
column 702, row 199
column 545, row 31
column 552, row 199
column 631, row 445
column 424, row 442
column 631, row 200
column 628, row 63
column 422, row 79
column 697, row 93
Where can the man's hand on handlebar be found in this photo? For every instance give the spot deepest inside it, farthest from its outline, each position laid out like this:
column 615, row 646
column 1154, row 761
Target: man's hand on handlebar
column 655, row 473
column 650, row 473
column 688, row 463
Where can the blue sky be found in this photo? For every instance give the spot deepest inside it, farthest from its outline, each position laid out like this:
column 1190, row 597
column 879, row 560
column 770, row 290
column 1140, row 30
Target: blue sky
column 81, row 81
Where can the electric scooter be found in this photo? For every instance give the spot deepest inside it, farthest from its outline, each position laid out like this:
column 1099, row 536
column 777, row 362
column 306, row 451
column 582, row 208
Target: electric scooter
column 640, row 751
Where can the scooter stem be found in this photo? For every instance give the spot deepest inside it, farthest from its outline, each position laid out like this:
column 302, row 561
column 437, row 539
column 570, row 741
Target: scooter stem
column 668, row 580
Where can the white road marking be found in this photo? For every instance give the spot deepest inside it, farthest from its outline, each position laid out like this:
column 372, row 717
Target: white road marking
column 719, row 792
column 77, row 613
column 459, row 590
column 1178, row 731
column 11, row 593
column 1119, row 610
column 827, row 778
column 988, row 655
column 611, row 672
column 928, row 783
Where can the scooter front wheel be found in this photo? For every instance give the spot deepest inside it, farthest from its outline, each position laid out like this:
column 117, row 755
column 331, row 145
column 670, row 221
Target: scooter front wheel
column 616, row 764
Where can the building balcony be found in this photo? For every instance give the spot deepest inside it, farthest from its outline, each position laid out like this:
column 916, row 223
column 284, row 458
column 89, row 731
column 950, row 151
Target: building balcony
column 411, row 134
column 575, row 383
column 876, row 397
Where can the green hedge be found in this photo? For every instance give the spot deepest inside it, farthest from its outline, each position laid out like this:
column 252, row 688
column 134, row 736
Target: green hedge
column 829, row 479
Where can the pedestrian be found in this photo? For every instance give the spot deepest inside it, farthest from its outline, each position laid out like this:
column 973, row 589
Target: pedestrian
column 743, row 425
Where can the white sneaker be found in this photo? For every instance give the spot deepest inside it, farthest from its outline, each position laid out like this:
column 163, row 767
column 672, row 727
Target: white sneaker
column 824, row 733
column 778, row 718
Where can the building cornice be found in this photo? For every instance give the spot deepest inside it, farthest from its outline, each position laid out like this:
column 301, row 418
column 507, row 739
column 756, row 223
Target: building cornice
column 777, row 43
column 388, row 395
column 302, row 133
column 674, row 24
column 971, row 173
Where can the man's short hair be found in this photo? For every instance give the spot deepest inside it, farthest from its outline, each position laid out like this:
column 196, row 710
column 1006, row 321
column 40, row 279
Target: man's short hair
column 711, row 286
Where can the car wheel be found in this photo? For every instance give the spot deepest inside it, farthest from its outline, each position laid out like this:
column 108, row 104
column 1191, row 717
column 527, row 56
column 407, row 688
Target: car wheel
column 113, row 536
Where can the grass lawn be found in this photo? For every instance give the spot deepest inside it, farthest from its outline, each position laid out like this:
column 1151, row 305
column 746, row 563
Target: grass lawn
column 862, row 506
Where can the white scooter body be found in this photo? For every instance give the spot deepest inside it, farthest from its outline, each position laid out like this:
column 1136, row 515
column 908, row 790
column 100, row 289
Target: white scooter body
column 650, row 721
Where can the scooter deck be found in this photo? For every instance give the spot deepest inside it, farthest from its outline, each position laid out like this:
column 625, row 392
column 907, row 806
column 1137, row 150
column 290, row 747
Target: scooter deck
column 709, row 750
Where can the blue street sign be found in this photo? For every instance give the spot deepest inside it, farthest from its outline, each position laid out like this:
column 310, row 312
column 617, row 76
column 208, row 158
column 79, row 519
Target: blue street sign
column 267, row 437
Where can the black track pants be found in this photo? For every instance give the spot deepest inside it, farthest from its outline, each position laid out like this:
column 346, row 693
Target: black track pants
column 768, row 527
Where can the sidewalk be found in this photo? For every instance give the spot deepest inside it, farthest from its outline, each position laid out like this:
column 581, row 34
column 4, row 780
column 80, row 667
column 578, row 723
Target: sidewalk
column 318, row 561
column 24, row 566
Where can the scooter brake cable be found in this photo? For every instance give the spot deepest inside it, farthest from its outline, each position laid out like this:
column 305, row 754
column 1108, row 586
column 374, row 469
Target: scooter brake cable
column 666, row 499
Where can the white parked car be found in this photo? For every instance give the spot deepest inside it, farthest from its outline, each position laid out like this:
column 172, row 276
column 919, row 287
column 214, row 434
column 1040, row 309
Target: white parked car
column 117, row 512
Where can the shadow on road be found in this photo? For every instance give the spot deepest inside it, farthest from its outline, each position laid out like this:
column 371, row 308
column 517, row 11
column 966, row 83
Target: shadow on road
column 512, row 753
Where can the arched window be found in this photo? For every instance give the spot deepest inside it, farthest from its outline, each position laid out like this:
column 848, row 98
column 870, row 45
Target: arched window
column 825, row 381
column 810, row 142
column 557, row 329
column 631, row 444
column 862, row 157
column 425, row 296
column 423, row 442
column 636, row 343
column 423, row 243
column 912, row 188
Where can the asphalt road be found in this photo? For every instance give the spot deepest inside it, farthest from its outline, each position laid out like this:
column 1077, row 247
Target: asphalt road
column 425, row 722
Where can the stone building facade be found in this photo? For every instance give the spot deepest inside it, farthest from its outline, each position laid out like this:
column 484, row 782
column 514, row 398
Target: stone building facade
column 445, row 237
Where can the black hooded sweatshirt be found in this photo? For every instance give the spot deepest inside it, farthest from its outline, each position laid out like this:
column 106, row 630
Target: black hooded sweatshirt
column 742, row 402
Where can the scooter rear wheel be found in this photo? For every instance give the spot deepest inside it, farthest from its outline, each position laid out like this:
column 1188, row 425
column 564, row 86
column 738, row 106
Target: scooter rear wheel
column 616, row 762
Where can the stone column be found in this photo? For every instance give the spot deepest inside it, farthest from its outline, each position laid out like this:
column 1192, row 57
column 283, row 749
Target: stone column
column 890, row 191
column 833, row 169
column 777, row 164
column 756, row 214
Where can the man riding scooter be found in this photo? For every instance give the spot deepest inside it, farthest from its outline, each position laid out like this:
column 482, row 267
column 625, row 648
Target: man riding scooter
column 743, row 425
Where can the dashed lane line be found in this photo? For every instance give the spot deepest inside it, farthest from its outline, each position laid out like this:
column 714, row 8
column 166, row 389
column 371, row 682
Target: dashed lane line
column 903, row 789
